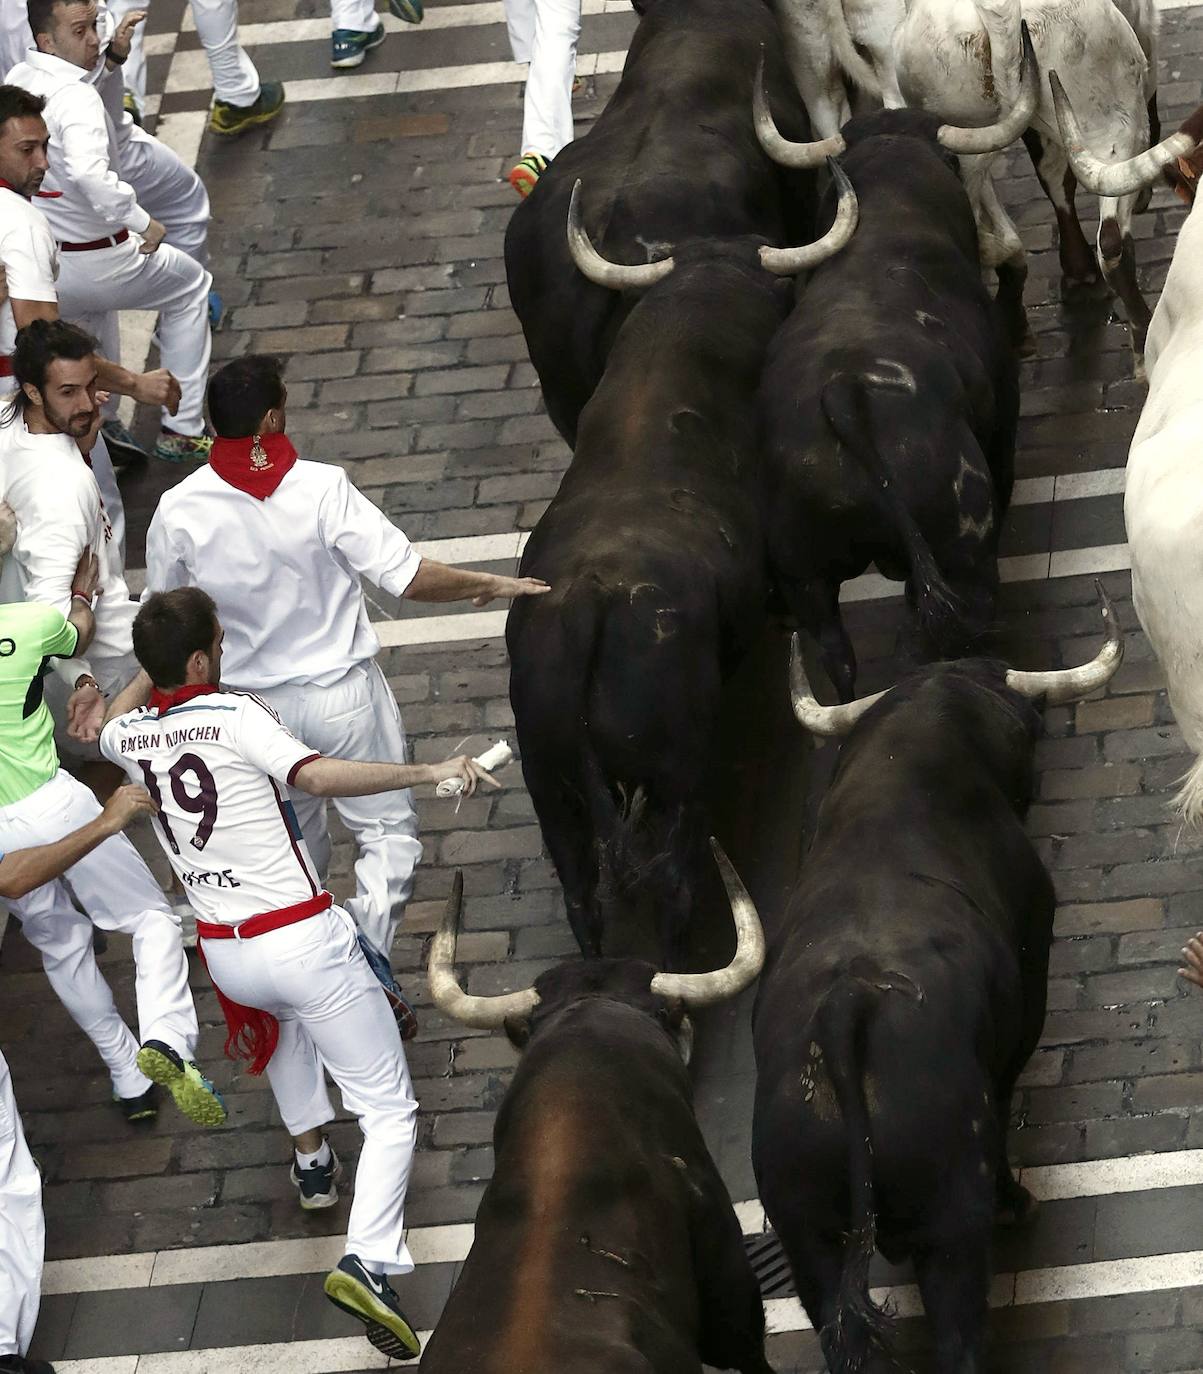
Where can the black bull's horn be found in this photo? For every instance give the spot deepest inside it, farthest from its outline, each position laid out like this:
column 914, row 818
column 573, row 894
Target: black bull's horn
column 782, row 262
column 989, row 138
column 1115, row 178
column 693, row 989
column 1055, row 687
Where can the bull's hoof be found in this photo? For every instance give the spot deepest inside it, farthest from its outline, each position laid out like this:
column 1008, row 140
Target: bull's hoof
column 1018, row 1208
column 1078, row 286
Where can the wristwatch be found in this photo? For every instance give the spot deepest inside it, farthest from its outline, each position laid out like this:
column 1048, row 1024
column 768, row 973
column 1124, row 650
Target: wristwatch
column 87, row 680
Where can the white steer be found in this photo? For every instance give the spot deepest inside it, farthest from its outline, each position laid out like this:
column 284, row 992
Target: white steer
column 955, row 58
column 1163, row 504
column 831, row 43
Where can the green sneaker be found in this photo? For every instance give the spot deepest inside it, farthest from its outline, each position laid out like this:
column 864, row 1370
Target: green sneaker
column 370, row 1298
column 182, row 448
column 194, row 1095
column 236, row 119
column 348, row 46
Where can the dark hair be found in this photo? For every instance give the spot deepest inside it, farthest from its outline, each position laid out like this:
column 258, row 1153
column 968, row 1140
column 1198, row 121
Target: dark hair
column 169, row 628
column 39, row 344
column 40, row 12
column 18, row 103
column 242, row 393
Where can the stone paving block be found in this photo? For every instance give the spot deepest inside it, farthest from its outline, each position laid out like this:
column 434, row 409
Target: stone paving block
column 1141, row 913
column 128, row 1321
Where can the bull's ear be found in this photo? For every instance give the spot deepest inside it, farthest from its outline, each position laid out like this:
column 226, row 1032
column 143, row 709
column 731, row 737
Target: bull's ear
column 517, row 1028
column 670, row 1013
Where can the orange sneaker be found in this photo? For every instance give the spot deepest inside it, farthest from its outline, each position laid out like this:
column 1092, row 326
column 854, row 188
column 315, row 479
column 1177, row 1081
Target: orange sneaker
column 526, row 172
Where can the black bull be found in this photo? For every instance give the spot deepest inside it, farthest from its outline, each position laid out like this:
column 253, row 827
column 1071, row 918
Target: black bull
column 903, row 991
column 672, row 157
column 606, row 1242
column 889, row 403
column 655, row 556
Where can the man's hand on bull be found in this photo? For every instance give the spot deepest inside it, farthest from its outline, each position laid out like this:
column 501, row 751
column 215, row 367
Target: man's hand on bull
column 511, row 586
column 1193, row 954
column 467, row 770
column 435, row 581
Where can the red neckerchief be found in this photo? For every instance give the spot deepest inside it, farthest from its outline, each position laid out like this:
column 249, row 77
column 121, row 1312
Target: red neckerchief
column 256, row 464
column 162, row 702
column 41, row 195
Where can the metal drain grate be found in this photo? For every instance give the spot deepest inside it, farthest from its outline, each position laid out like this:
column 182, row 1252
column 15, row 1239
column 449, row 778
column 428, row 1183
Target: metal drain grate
column 770, row 1265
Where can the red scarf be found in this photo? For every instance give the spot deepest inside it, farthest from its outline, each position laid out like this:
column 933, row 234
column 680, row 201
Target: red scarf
column 256, row 464
column 162, row 702
column 41, row 195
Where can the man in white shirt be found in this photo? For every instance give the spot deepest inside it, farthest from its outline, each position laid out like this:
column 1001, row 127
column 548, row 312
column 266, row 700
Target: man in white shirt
column 241, row 100
column 296, row 990
column 22, row 1223
column 29, row 257
column 281, row 545
column 103, row 268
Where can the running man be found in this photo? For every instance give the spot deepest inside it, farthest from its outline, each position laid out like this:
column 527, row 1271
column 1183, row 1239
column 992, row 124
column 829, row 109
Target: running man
column 297, row 992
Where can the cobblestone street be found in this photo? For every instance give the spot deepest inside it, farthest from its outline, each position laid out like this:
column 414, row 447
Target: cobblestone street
column 360, row 237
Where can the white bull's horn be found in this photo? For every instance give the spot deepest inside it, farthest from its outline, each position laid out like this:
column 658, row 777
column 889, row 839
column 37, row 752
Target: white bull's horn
column 992, row 138
column 1071, row 684
column 704, row 989
column 827, row 721
column 775, row 144
column 487, row 1013
column 1113, row 178
column 786, row 262
column 617, row 276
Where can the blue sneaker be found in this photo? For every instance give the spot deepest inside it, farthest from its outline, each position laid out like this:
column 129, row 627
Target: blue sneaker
column 369, row 1298
column 410, row 11
column 217, row 308
column 317, row 1186
column 348, row 46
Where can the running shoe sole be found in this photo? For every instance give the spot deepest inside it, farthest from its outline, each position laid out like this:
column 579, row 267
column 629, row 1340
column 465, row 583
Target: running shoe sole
column 196, row 1098
column 388, row 1332
column 323, row 1200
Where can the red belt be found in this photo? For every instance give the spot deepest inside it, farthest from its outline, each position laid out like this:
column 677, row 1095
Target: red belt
column 96, row 243
column 266, row 920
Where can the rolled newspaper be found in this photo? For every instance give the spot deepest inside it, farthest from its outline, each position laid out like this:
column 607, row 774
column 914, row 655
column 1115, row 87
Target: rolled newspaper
column 496, row 757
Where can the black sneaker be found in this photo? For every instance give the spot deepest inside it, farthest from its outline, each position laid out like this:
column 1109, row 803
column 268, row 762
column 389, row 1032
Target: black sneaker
column 22, row 1364
column 123, row 448
column 318, row 1184
column 236, row 119
column 142, row 1108
column 369, row 1298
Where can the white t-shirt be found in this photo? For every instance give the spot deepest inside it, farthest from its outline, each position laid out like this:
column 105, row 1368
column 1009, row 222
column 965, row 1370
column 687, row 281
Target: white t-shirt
column 29, row 255
column 284, row 572
column 218, row 765
column 46, row 480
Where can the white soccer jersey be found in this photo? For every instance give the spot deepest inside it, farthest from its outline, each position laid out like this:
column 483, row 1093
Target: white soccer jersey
column 217, row 765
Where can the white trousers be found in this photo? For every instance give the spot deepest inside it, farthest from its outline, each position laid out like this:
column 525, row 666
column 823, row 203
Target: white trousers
column 110, row 493
column 357, row 718
column 121, row 278
column 116, row 889
column 168, row 190
column 235, row 79
column 544, row 33
column 359, row 15
column 22, row 1228
column 313, row 978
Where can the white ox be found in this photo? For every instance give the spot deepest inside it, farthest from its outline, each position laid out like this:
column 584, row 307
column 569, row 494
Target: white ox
column 830, row 44
column 955, row 58
column 1163, row 504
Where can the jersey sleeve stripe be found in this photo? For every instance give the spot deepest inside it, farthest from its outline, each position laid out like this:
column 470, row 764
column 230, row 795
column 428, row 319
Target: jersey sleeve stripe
column 300, row 763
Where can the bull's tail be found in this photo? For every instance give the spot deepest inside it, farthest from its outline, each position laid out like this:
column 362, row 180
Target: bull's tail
column 846, row 402
column 846, row 52
column 861, row 1329
column 1004, row 58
